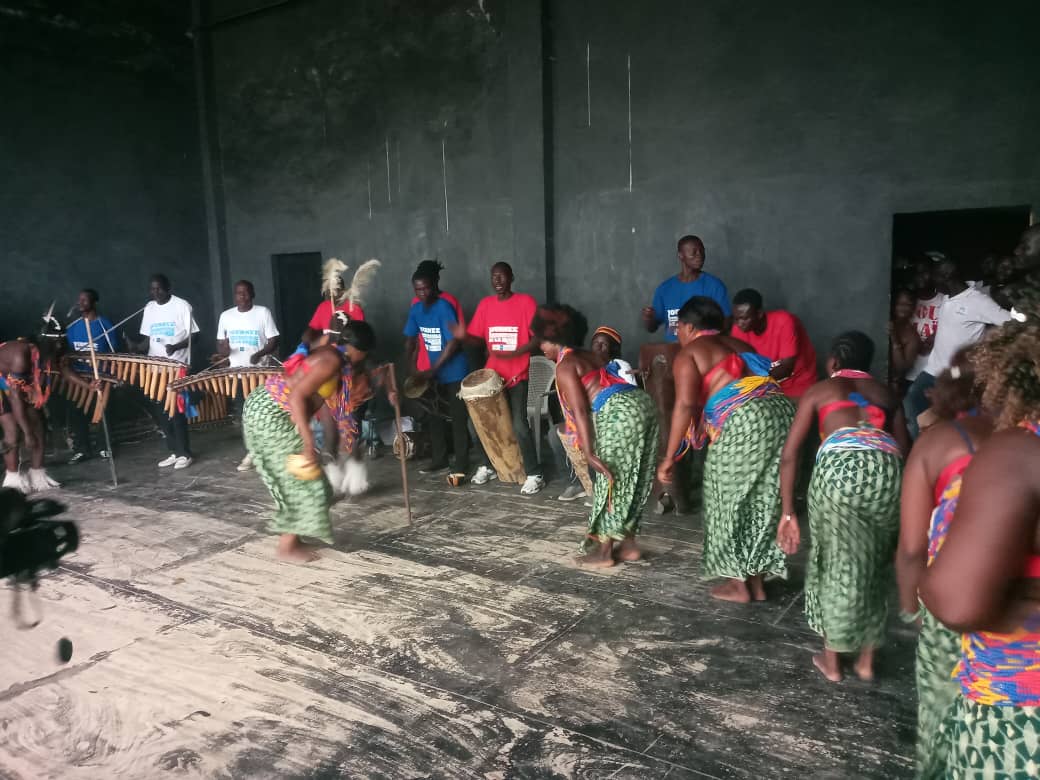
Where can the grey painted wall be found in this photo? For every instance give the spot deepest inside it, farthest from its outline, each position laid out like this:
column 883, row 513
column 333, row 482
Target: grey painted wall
column 99, row 159
column 786, row 136
column 342, row 123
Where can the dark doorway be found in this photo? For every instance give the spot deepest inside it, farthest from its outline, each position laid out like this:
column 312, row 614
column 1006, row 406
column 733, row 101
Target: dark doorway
column 297, row 291
column 975, row 238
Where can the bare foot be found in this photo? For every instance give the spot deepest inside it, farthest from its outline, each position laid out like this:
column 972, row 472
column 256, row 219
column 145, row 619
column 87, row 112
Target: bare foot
column 594, row 560
column 757, row 587
column 628, row 551
column 601, row 557
column 827, row 663
column 864, row 666
column 291, row 549
column 731, row 590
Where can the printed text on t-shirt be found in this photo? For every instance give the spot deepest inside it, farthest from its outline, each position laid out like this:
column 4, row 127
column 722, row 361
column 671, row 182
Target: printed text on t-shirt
column 502, row 338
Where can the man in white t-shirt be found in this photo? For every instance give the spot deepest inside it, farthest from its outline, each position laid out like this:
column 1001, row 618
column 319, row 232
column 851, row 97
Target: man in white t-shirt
column 169, row 327
column 246, row 336
column 963, row 318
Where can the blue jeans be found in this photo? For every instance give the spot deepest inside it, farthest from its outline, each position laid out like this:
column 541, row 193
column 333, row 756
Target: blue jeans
column 917, row 402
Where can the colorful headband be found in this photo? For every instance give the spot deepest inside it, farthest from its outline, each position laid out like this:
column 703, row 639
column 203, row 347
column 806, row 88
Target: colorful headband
column 609, row 332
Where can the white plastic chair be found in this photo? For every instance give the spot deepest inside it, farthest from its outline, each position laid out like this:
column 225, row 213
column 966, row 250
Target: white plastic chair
column 543, row 372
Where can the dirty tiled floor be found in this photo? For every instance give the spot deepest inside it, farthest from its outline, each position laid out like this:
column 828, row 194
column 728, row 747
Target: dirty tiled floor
column 464, row 645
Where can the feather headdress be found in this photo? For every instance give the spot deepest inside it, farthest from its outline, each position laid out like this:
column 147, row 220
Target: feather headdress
column 332, row 280
column 363, row 278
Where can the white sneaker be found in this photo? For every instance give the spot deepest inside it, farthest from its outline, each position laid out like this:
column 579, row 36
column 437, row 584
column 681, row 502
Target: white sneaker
column 483, row 476
column 183, row 462
column 169, row 460
column 532, row 485
column 246, row 464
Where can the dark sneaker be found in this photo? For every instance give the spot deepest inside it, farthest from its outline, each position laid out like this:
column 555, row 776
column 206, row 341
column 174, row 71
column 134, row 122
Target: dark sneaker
column 434, row 468
column 572, row 493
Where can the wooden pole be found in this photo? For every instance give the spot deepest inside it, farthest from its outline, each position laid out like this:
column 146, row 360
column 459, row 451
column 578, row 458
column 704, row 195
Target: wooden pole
column 391, row 384
column 100, row 400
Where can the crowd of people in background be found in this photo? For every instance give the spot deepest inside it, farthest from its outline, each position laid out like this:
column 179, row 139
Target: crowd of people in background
column 933, row 469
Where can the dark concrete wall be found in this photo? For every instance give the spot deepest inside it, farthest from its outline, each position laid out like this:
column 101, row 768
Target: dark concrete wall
column 99, row 160
column 786, row 136
column 333, row 117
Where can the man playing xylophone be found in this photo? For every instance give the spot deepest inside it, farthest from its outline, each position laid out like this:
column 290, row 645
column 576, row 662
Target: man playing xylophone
column 169, row 327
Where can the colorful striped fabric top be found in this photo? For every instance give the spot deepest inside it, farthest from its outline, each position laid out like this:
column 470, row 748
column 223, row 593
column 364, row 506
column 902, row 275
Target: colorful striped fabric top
column 610, row 383
column 950, row 486
column 343, row 403
column 35, row 386
column 1003, row 669
column 863, row 438
column 727, row 399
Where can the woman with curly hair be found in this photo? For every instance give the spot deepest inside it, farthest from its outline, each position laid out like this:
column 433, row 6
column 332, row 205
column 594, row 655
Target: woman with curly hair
column 985, row 582
column 615, row 425
column 931, row 488
column 853, row 504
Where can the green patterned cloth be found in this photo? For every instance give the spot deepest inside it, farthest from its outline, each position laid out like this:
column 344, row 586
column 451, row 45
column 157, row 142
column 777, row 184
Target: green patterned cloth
column 302, row 506
column 938, row 650
column 742, row 491
column 854, row 524
column 988, row 742
column 626, row 440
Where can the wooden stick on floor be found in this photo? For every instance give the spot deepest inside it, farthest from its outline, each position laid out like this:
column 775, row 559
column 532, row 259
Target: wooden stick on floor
column 391, row 384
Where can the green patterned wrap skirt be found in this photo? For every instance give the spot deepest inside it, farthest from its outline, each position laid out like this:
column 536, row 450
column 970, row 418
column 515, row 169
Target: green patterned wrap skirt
column 742, row 491
column 990, row 742
column 854, row 524
column 938, row 651
column 626, row 440
column 301, row 506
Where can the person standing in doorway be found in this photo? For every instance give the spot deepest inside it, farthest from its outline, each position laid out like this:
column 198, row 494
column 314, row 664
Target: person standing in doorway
column 78, row 339
column 503, row 322
column 963, row 318
column 430, row 320
column 246, row 336
column 169, row 328
column 779, row 336
column 691, row 280
column 925, row 319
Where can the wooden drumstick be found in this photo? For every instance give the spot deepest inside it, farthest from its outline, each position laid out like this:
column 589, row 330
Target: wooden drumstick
column 391, row 383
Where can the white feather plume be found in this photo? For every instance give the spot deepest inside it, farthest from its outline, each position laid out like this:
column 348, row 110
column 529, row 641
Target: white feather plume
column 363, row 278
column 332, row 279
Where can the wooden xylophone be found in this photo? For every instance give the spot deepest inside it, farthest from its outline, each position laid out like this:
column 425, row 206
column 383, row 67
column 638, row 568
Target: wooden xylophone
column 220, row 385
column 227, row 381
column 83, row 397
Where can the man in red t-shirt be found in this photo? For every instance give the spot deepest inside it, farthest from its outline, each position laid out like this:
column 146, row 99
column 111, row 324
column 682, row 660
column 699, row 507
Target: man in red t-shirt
column 323, row 316
column 503, row 323
column 779, row 336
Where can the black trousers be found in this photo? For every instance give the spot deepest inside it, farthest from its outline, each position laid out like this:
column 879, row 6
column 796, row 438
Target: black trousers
column 448, row 395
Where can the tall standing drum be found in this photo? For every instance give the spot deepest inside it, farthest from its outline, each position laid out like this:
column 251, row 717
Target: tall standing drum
column 489, row 410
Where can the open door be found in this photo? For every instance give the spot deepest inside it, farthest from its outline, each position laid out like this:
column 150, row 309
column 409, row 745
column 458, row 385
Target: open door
column 297, row 292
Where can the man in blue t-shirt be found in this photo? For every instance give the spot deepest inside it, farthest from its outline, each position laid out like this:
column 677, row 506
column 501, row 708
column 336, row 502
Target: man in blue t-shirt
column 105, row 340
column 691, row 280
column 432, row 319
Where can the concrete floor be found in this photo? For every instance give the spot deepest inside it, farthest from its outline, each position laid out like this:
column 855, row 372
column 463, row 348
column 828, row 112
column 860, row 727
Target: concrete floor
column 465, row 645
